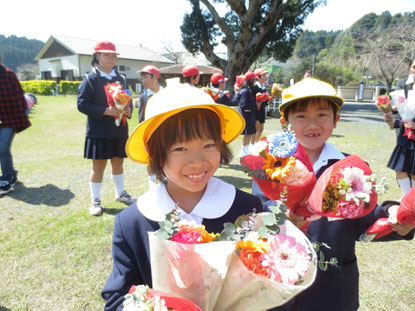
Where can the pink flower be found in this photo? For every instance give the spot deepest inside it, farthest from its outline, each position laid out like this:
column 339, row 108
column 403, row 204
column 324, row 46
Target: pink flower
column 287, row 261
column 187, row 237
column 349, row 210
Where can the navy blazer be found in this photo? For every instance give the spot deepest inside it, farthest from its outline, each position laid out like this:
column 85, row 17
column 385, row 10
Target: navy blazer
column 337, row 289
column 224, row 99
column 247, row 102
column 130, row 246
column 92, row 101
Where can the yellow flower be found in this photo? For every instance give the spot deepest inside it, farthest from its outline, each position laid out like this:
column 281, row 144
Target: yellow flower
column 253, row 246
column 277, row 168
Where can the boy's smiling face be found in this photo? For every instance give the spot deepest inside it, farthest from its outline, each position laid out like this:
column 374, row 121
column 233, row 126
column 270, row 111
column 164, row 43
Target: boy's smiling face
column 313, row 125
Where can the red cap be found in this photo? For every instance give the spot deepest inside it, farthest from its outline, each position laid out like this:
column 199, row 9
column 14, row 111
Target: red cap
column 190, row 71
column 239, row 80
column 260, row 71
column 216, row 78
column 250, row 75
column 105, row 47
column 150, row 69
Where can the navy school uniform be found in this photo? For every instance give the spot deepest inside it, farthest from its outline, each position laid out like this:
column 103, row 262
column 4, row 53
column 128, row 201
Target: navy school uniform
column 104, row 140
column 224, row 99
column 247, row 107
column 220, row 203
column 260, row 114
column 402, row 158
column 336, row 289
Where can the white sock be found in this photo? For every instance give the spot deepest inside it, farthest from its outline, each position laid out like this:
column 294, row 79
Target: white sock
column 119, row 183
column 405, row 185
column 95, row 189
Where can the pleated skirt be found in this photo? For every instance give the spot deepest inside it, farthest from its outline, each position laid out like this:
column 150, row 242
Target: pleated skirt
column 101, row 149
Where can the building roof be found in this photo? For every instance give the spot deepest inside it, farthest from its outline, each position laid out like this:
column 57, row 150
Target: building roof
column 177, row 69
column 86, row 47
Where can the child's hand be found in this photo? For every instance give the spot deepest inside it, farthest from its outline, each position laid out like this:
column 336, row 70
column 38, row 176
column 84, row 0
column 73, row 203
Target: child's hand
column 409, row 124
column 112, row 111
column 127, row 111
column 298, row 221
column 401, row 229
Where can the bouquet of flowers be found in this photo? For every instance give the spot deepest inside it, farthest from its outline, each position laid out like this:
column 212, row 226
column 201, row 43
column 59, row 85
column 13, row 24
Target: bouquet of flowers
column 189, row 262
column 260, row 98
column 347, row 189
column 405, row 215
column 280, row 166
column 214, row 93
column 276, row 90
column 384, row 104
column 119, row 98
column 406, row 109
column 268, row 268
column 143, row 298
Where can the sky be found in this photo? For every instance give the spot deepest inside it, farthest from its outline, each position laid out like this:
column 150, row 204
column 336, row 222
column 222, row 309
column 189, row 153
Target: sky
column 152, row 23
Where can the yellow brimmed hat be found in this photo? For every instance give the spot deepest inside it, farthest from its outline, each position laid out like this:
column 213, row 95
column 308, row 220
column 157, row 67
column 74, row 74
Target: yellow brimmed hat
column 308, row 88
column 171, row 101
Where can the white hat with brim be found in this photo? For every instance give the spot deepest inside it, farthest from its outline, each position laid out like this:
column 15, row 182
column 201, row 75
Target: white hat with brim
column 171, row 101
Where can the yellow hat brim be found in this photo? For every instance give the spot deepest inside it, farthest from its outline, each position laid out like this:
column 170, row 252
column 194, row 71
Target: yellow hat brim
column 231, row 120
column 309, row 88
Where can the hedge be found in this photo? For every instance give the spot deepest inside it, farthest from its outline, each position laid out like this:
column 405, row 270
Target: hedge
column 39, row 87
column 69, row 87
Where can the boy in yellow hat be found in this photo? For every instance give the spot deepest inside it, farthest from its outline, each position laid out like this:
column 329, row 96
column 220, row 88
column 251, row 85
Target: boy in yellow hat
column 311, row 108
column 183, row 140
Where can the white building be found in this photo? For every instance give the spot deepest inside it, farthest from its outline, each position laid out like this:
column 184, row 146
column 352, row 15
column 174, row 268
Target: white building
column 66, row 58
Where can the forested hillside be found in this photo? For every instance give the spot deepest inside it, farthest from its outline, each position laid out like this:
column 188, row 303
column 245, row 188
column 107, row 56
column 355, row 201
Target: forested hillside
column 16, row 51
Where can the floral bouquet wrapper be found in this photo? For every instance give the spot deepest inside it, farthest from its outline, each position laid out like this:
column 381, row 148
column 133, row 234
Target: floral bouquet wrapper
column 119, row 98
column 276, row 90
column 192, row 271
column 406, row 108
column 260, row 98
column 405, row 215
column 267, row 274
column 141, row 297
column 347, row 189
column 281, row 168
column 214, row 93
column 384, row 104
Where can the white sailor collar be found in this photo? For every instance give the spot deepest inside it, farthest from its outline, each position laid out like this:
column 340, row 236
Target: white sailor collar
column 410, row 80
column 108, row 76
column 215, row 202
column 328, row 153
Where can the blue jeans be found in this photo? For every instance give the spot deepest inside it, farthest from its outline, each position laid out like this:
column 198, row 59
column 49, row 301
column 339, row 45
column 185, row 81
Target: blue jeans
column 6, row 160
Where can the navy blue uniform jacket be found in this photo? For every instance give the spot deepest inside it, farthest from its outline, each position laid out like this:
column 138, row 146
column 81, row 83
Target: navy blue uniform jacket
column 130, row 250
column 92, row 101
column 338, row 288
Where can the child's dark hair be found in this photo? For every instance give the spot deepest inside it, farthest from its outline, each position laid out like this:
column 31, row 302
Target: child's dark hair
column 189, row 79
column 248, row 84
column 301, row 105
column 411, row 61
column 95, row 61
column 184, row 126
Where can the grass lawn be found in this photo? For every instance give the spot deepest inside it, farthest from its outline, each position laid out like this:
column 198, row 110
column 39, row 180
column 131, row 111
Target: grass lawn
column 55, row 256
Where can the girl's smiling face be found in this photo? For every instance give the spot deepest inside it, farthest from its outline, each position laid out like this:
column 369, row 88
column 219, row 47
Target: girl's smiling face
column 190, row 165
column 313, row 124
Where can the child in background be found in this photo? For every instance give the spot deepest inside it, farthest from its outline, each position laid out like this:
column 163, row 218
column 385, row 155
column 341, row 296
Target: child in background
column 311, row 108
column 248, row 107
column 262, row 76
column 184, row 139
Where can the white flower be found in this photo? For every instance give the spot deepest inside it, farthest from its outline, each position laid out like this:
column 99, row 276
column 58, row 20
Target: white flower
column 360, row 186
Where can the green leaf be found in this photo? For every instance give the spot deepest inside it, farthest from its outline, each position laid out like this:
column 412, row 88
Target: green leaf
column 269, row 219
column 321, row 256
column 162, row 234
column 263, row 233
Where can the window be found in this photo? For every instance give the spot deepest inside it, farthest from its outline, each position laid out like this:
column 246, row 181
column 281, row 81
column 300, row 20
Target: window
column 46, row 75
column 122, row 68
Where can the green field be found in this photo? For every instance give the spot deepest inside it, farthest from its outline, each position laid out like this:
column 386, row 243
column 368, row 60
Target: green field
column 55, row 256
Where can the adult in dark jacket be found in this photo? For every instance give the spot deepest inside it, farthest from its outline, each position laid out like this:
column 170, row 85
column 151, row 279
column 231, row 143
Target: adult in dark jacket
column 402, row 160
column 13, row 119
column 247, row 107
column 104, row 140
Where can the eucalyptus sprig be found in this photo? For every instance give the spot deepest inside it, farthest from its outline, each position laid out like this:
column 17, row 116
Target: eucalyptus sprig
column 169, row 226
column 323, row 264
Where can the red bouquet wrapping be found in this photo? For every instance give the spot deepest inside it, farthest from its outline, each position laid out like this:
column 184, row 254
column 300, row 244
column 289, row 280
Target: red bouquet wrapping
column 282, row 169
column 214, row 93
column 261, row 97
column 141, row 297
column 119, row 98
column 405, row 215
column 347, row 189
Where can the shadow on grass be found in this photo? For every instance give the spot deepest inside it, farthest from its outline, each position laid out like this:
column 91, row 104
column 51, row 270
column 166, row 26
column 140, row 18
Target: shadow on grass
column 111, row 211
column 49, row 195
column 4, row 309
column 238, row 182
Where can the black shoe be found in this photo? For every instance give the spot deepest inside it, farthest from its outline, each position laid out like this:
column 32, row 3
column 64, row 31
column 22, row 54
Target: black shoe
column 11, row 178
column 5, row 187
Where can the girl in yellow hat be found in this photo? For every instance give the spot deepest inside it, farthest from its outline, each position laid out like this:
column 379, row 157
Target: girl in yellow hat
column 183, row 140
